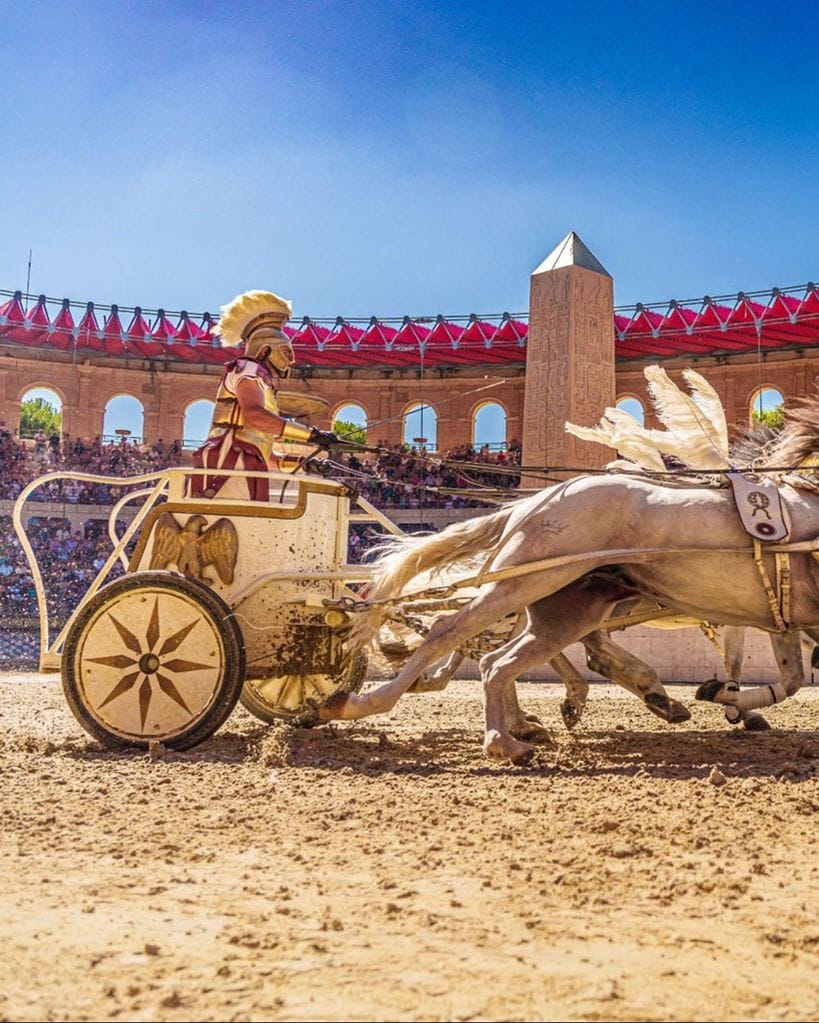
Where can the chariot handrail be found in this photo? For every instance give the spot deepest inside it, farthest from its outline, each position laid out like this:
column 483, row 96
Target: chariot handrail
column 159, row 478
column 112, row 520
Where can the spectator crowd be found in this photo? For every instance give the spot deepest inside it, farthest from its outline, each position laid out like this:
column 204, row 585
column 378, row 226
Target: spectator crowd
column 402, row 477
column 21, row 463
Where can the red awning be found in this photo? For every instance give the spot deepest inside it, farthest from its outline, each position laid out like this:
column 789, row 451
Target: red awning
column 780, row 318
column 37, row 323
column 139, row 340
column 12, row 319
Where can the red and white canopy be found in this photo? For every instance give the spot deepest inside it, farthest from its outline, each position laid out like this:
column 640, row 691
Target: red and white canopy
column 786, row 318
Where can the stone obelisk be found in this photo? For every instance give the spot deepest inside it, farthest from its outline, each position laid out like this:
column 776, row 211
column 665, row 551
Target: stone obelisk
column 569, row 357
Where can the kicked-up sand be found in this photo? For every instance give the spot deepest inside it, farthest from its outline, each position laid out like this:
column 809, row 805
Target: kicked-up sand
column 385, row 870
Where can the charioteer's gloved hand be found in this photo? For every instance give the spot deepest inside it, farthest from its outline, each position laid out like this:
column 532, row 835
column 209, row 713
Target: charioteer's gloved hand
column 324, row 438
column 309, row 435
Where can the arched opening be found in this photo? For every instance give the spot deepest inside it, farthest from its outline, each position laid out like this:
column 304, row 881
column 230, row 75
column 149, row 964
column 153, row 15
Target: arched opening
column 489, row 427
column 41, row 412
column 350, row 421
column 195, row 426
column 768, row 408
column 421, row 427
column 634, row 407
column 123, row 420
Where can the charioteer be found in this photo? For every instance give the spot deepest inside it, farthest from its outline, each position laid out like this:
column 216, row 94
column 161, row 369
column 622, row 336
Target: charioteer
column 248, row 418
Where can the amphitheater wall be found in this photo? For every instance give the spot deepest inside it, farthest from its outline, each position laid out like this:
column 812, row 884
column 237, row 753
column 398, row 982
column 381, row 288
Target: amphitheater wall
column 737, row 378
column 166, row 389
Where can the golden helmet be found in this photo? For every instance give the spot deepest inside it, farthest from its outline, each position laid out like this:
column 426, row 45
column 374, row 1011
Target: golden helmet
column 256, row 318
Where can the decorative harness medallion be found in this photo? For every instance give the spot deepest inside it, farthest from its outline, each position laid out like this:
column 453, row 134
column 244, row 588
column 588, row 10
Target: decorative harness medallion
column 760, row 506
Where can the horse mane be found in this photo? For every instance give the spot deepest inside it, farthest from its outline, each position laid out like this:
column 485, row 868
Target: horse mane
column 750, row 445
column 799, row 437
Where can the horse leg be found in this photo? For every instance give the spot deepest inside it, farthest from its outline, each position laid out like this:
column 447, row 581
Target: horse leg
column 614, row 662
column 440, row 677
column 551, row 624
column 787, row 648
column 499, row 670
column 733, row 645
column 577, row 690
column 489, row 606
column 599, row 596
column 520, row 724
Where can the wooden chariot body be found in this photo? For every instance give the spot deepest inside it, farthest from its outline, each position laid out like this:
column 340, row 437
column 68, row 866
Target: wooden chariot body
column 218, row 601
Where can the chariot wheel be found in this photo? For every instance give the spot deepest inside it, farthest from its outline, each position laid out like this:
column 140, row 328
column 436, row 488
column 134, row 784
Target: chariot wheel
column 153, row 656
column 298, row 697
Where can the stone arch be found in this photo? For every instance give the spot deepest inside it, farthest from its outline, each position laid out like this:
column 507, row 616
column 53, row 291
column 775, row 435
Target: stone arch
column 419, row 425
column 42, row 385
column 764, row 403
column 46, row 393
column 489, row 424
column 123, row 411
column 351, row 412
column 196, row 420
column 634, row 406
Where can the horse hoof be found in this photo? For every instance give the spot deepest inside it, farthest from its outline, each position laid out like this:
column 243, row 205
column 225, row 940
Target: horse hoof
column 498, row 748
column 756, row 723
column 708, row 690
column 570, row 713
column 678, row 713
column 333, row 709
column 664, row 707
column 530, row 732
column 523, row 758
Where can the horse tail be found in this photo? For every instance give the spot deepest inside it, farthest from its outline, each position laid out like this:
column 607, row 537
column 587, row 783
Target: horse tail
column 406, row 557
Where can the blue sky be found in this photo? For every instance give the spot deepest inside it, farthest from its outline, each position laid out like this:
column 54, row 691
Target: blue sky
column 389, row 158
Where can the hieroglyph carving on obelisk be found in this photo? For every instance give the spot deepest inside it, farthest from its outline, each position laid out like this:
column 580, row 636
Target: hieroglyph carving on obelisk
column 569, row 357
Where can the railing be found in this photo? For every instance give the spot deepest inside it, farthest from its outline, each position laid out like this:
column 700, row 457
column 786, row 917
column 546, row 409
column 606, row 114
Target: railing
column 121, row 438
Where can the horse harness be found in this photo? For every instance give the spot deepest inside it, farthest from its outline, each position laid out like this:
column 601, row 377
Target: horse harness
column 765, row 519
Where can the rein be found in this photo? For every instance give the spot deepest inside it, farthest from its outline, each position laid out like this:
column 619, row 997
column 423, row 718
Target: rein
column 778, row 592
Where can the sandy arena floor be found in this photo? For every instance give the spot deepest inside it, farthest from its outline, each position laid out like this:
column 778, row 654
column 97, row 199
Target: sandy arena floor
column 386, row 870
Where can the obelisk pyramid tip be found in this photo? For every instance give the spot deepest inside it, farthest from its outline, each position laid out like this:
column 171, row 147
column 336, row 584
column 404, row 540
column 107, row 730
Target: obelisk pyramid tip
column 572, row 252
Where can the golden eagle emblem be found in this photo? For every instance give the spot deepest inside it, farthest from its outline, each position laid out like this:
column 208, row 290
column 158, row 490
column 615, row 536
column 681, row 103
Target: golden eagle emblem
column 192, row 548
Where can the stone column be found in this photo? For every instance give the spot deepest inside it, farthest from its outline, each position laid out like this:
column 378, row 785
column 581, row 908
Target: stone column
column 7, row 404
column 87, row 410
column 570, row 357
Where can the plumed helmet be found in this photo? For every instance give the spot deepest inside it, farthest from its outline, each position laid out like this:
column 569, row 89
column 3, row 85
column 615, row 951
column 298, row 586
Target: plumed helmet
column 256, row 318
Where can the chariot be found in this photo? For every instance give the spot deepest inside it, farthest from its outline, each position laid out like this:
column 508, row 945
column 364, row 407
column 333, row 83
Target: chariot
column 218, row 601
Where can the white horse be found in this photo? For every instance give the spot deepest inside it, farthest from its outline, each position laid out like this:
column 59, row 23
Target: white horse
column 696, row 432
column 682, row 546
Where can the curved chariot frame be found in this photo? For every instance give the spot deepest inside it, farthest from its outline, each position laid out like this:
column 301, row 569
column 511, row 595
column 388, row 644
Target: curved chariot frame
column 252, row 616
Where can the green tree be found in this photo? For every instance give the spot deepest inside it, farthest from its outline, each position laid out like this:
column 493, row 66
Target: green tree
column 350, row 431
column 773, row 417
column 39, row 414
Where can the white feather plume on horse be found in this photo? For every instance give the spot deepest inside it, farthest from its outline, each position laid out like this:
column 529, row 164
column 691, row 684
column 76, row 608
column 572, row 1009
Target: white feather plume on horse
column 696, row 432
